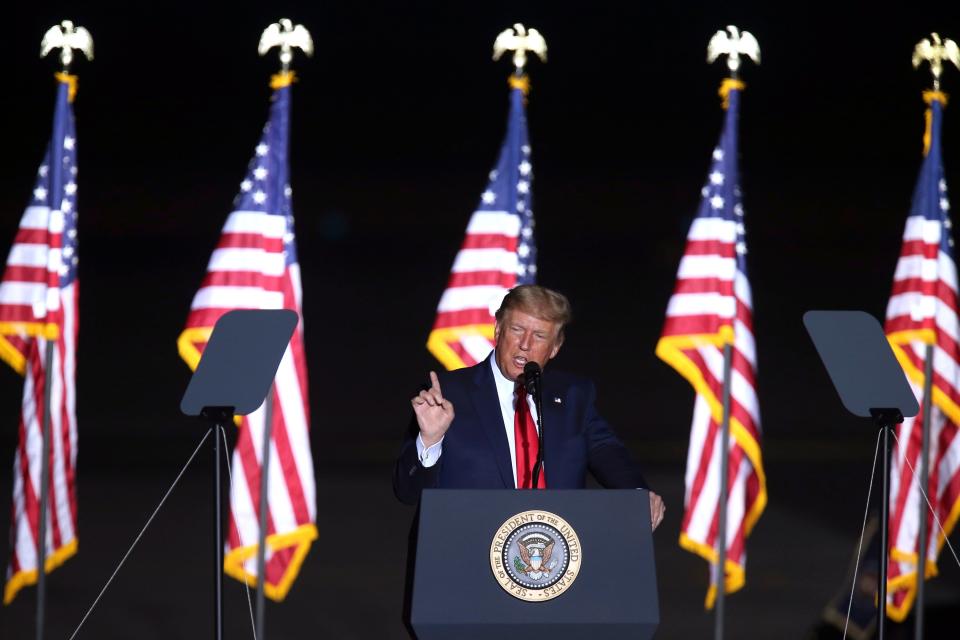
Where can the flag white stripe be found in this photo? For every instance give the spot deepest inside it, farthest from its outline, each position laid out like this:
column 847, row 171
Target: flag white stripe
column 29, row 255
column 920, row 228
column 696, row 266
column 927, row 269
column 27, row 293
column 35, row 218
column 256, row 222
column 494, row 222
column 292, row 402
column 477, row 346
column 716, row 229
column 485, row 260
column 473, row 297
column 226, row 297
column 695, row 304
column 269, row 263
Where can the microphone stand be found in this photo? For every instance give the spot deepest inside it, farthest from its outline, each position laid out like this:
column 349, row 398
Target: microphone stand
column 538, row 401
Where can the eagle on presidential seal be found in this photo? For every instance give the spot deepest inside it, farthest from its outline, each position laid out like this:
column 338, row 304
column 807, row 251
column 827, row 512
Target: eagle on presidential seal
column 535, row 552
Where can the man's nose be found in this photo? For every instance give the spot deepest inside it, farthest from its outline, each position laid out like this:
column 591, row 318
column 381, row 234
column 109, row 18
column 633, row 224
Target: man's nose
column 524, row 342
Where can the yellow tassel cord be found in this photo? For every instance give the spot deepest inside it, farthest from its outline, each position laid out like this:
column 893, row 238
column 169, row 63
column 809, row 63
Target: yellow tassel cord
column 728, row 85
column 282, row 79
column 520, row 82
column 70, row 81
column 929, row 97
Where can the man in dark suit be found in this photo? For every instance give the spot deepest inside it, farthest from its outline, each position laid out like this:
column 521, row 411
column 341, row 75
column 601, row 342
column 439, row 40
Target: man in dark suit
column 475, row 428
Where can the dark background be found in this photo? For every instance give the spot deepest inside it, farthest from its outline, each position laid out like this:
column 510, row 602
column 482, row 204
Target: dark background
column 396, row 121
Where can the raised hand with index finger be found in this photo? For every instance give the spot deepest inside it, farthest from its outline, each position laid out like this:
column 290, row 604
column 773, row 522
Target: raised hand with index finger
column 434, row 412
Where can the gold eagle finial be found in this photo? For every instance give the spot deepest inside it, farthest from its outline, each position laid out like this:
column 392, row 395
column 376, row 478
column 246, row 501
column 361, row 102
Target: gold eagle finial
column 734, row 45
column 935, row 51
column 67, row 37
column 519, row 39
column 286, row 35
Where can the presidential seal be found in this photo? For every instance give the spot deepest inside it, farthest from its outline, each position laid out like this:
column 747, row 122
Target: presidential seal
column 535, row 556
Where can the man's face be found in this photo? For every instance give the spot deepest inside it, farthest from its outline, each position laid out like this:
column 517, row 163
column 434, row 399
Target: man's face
column 522, row 338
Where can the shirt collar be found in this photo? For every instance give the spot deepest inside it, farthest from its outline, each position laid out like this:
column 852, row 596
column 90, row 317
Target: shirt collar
column 505, row 386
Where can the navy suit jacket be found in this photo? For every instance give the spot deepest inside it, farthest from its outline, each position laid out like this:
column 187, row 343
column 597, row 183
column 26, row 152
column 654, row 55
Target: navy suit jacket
column 476, row 455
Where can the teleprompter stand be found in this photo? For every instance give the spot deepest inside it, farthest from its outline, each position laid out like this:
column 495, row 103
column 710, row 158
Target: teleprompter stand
column 871, row 384
column 233, row 377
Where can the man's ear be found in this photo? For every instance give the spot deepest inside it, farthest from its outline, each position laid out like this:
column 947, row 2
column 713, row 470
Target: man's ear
column 496, row 332
column 556, row 348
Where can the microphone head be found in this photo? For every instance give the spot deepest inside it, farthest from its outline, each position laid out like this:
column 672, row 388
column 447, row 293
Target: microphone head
column 531, row 370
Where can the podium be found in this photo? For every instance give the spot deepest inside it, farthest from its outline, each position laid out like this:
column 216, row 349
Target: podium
column 568, row 564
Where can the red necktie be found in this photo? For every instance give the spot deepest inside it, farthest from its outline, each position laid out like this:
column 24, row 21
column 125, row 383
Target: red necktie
column 527, row 445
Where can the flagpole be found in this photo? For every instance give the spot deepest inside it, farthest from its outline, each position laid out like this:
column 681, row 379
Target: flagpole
column 217, row 530
column 722, row 504
column 262, row 534
column 285, row 35
column 732, row 43
column 922, row 481
column 935, row 51
column 50, row 345
column 65, row 36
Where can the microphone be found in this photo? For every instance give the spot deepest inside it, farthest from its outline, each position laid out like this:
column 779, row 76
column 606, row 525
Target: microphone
column 531, row 378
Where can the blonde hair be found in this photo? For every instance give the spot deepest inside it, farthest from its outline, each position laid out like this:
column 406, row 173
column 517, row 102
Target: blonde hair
column 539, row 302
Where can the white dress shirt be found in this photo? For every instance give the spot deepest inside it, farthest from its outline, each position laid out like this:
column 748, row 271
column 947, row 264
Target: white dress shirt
column 505, row 393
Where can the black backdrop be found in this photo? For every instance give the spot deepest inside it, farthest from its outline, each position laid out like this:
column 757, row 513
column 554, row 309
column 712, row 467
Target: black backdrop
column 396, row 121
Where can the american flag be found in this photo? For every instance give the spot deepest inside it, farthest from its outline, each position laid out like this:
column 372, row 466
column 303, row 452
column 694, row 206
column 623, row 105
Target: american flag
column 923, row 311
column 255, row 267
column 711, row 306
column 498, row 252
column 38, row 310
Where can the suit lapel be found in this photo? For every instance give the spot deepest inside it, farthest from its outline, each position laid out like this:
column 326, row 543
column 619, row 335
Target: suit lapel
column 487, row 404
column 553, row 423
